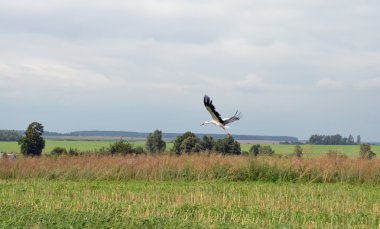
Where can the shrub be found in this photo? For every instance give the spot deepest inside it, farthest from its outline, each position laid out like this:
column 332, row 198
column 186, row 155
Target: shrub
column 139, row 150
column 261, row 150
column 255, row 149
column 298, row 152
column 73, row 152
column 335, row 154
column 190, row 145
column 266, row 150
column 121, row 147
column 58, row 151
column 228, row 146
column 366, row 152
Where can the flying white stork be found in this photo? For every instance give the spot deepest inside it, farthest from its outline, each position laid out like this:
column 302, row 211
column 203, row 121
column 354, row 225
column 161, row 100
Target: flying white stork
column 216, row 118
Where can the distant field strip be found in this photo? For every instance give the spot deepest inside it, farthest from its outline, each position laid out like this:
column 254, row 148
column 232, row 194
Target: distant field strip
column 91, row 146
column 36, row 203
column 83, row 146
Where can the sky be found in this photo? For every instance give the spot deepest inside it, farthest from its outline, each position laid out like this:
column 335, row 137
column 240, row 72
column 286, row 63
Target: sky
column 292, row 68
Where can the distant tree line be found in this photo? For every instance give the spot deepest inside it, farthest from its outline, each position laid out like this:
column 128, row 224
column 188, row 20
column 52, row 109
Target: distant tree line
column 336, row 139
column 32, row 144
column 9, row 135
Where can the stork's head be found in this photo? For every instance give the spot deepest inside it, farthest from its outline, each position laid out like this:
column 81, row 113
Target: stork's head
column 204, row 123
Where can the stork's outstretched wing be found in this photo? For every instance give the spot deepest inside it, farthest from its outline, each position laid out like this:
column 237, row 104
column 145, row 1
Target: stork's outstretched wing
column 236, row 116
column 210, row 107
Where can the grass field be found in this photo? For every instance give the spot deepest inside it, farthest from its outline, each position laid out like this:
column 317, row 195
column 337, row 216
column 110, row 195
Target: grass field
column 88, row 146
column 37, row 203
column 189, row 191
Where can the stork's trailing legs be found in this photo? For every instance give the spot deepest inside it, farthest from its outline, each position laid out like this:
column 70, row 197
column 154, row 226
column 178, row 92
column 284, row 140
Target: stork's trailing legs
column 229, row 135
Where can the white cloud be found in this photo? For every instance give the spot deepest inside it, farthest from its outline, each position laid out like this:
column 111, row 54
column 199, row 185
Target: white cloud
column 254, row 83
column 46, row 80
column 330, row 84
column 3, row 68
column 60, row 75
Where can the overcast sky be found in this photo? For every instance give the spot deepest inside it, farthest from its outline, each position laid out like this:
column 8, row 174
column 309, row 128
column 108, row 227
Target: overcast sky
column 292, row 67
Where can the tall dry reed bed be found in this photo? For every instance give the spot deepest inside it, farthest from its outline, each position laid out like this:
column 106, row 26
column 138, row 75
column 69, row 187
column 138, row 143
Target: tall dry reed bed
column 194, row 167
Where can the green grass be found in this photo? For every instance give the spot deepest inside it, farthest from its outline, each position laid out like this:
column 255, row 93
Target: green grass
column 311, row 150
column 38, row 203
column 315, row 150
column 51, row 144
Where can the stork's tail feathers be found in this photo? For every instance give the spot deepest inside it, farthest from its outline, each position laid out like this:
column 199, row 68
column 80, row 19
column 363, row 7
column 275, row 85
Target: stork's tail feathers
column 239, row 115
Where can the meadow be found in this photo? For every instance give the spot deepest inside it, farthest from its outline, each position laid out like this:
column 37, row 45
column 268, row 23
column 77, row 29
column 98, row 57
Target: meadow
column 38, row 203
column 92, row 146
column 189, row 191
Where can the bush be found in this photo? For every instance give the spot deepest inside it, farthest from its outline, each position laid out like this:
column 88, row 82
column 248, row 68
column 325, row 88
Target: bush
column 63, row 151
column 266, row 150
column 191, row 145
column 255, row 149
column 58, row 151
column 335, row 154
column 366, row 152
column 121, row 147
column 73, row 152
column 188, row 142
column 228, row 146
column 258, row 149
column 139, row 150
column 298, row 152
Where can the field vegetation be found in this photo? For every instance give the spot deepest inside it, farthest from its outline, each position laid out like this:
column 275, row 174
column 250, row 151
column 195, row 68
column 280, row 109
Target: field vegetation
column 122, row 188
column 195, row 167
column 39, row 203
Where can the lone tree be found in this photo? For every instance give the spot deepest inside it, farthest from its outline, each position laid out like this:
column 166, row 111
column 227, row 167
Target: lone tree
column 32, row 143
column 154, row 142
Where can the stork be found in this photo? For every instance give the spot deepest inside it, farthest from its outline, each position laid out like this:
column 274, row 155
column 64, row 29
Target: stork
column 216, row 118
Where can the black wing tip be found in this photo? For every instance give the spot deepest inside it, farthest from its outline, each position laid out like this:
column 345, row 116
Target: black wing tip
column 207, row 100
